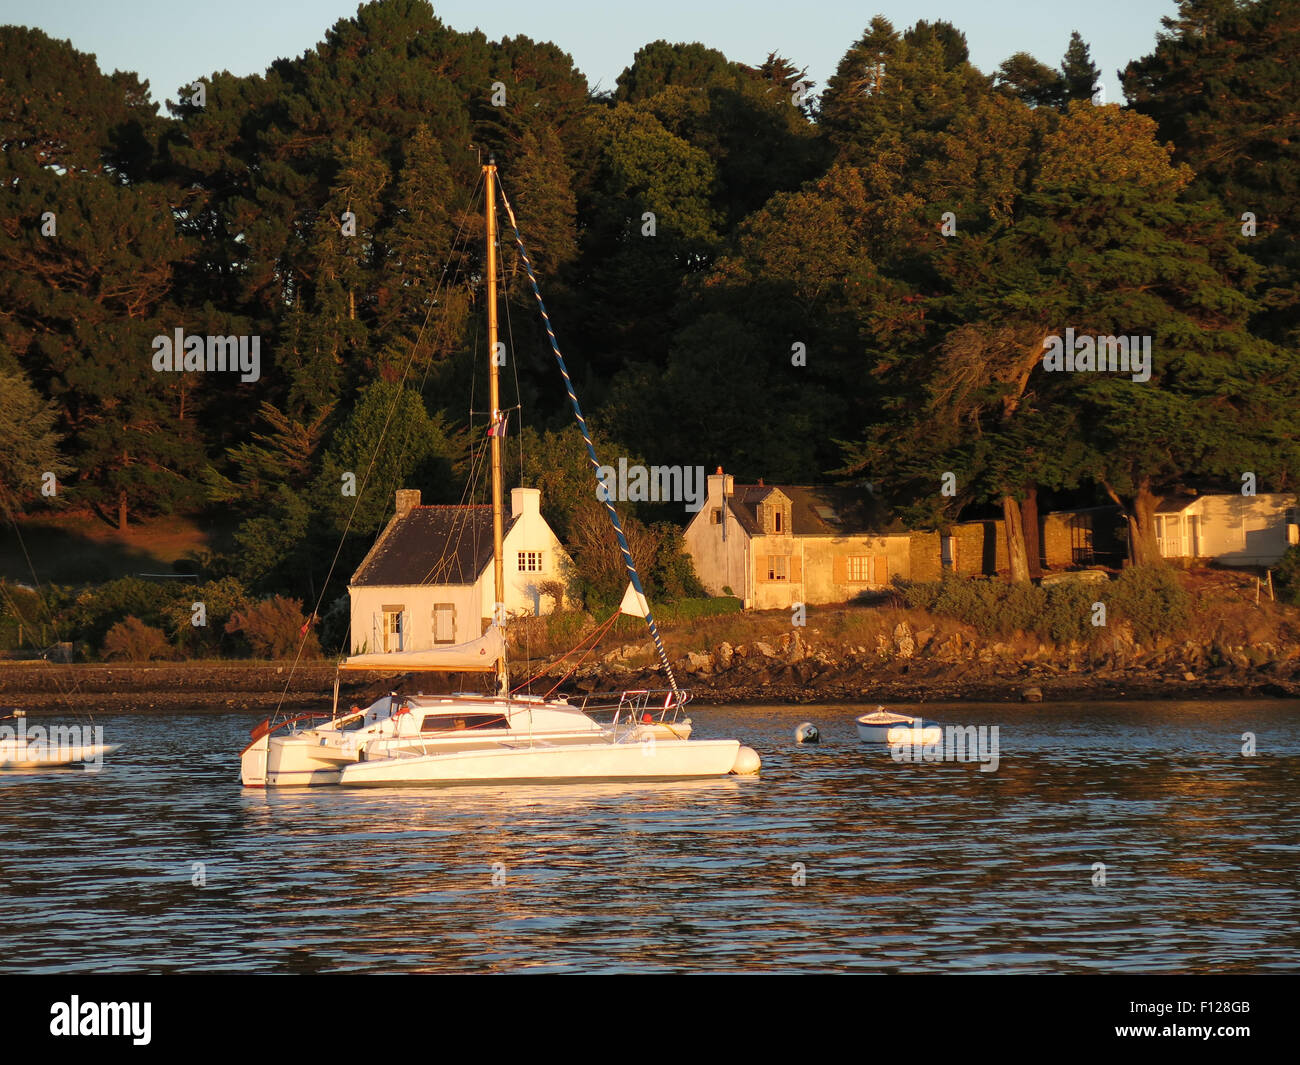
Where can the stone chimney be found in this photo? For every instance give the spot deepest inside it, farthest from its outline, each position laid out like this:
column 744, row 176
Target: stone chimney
column 407, row 499
column 525, row 501
column 720, row 485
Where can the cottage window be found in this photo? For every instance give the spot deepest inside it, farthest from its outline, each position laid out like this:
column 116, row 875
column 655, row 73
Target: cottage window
column 777, row 568
column 716, row 515
column 530, row 562
column 859, row 569
column 444, row 623
column 776, row 520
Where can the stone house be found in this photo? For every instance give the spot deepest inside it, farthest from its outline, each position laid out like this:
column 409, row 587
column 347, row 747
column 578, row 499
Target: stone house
column 777, row 545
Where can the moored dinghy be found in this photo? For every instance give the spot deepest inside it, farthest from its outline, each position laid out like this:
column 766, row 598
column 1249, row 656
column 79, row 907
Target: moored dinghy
column 49, row 748
column 884, row 726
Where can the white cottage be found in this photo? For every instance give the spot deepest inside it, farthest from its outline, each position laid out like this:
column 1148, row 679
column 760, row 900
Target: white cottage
column 428, row 580
column 1235, row 530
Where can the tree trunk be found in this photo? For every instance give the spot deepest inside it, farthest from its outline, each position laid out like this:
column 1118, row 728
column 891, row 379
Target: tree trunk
column 1029, row 523
column 1142, row 526
column 1016, row 557
column 121, row 511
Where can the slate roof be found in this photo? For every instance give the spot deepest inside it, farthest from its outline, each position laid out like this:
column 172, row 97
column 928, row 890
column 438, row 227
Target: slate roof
column 432, row 545
column 813, row 511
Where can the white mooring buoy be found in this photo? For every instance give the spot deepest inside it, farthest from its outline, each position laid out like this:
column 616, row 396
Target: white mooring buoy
column 807, row 733
column 747, row 761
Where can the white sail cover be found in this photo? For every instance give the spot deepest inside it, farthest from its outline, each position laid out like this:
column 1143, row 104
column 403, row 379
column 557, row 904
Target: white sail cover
column 476, row 654
column 634, row 603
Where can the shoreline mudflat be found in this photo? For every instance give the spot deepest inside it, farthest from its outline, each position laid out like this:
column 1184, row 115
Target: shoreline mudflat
column 180, row 686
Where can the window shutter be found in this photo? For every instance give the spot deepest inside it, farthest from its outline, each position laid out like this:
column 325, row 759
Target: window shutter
column 882, row 570
column 840, row 569
column 796, row 568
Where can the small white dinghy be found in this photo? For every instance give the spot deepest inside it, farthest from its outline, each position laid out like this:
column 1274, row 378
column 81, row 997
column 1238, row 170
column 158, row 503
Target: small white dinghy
column 884, row 726
column 52, row 748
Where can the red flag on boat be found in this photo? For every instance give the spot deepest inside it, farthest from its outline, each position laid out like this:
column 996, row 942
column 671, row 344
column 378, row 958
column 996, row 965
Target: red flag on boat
column 498, row 426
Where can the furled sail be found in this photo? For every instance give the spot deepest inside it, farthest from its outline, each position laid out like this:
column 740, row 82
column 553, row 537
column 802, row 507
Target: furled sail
column 481, row 654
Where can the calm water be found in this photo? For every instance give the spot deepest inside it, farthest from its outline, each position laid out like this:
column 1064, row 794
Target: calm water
column 909, row 868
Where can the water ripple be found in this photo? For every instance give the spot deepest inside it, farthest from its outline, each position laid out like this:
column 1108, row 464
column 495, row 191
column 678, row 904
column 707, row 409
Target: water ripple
column 837, row 858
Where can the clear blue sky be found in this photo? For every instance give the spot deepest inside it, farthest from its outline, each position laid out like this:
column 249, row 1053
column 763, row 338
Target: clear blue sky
column 173, row 43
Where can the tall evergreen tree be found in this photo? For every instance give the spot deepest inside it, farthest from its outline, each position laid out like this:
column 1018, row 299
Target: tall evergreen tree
column 1079, row 75
column 1222, row 82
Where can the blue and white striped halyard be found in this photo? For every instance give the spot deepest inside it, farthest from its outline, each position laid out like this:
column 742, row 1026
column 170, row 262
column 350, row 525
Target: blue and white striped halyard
column 591, row 450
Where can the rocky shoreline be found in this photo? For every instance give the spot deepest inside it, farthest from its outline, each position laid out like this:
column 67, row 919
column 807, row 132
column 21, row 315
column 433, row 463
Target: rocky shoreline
column 914, row 666
column 924, row 666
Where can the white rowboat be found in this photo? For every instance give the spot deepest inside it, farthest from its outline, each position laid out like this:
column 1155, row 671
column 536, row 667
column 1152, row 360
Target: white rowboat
column 884, row 726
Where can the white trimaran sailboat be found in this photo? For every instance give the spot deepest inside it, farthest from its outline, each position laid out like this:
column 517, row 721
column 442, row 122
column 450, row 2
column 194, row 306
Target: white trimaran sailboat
column 502, row 738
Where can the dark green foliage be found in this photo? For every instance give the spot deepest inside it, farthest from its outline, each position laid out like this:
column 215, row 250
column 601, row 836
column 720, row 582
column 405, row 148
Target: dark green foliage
column 922, row 349
column 221, row 600
column 1069, row 611
column 29, row 444
column 1033, row 82
column 706, row 607
column 1286, row 576
column 87, row 264
column 1152, row 599
column 1222, row 82
column 95, row 610
column 22, row 611
column 1079, row 73
column 672, row 573
column 992, row 607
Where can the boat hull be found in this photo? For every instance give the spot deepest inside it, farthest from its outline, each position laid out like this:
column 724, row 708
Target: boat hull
column 898, row 728
column 43, row 756
column 291, row 761
column 660, row 760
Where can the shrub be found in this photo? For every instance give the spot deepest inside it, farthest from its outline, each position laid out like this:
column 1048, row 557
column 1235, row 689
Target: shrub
column 990, row 606
column 135, row 641
column 21, row 611
column 221, row 599
column 335, row 626
column 1152, row 599
column 1286, row 576
column 920, row 595
column 688, row 609
column 1069, row 611
column 672, row 573
column 98, row 609
column 274, row 628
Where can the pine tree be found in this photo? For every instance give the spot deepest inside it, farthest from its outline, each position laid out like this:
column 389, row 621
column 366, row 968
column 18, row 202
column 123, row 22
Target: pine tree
column 1079, row 75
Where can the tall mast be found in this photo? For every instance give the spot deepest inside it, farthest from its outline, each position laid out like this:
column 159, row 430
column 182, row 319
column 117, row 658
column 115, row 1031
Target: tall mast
column 494, row 401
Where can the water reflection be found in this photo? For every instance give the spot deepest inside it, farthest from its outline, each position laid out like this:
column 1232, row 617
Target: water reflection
column 836, row 858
